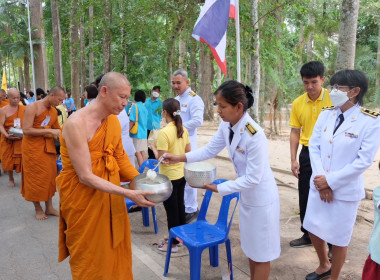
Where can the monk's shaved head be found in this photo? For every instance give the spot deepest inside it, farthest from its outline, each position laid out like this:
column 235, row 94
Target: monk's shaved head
column 57, row 90
column 12, row 92
column 113, row 80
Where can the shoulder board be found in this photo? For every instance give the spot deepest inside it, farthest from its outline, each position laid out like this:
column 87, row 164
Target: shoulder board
column 373, row 114
column 251, row 130
column 328, row 108
column 192, row 93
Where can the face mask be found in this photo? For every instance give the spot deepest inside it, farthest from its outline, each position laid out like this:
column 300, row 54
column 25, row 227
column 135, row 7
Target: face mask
column 338, row 97
column 155, row 94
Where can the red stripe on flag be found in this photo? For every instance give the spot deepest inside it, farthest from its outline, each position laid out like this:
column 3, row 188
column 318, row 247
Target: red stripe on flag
column 222, row 65
column 232, row 11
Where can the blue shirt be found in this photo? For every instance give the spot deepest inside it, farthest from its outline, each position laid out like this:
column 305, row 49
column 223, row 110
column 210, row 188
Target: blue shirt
column 142, row 132
column 154, row 109
column 30, row 99
column 69, row 102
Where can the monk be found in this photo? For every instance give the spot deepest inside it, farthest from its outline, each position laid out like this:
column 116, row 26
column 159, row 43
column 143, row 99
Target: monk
column 3, row 102
column 11, row 116
column 94, row 227
column 39, row 168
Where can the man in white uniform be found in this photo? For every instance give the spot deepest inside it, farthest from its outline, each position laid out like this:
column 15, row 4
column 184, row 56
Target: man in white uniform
column 192, row 108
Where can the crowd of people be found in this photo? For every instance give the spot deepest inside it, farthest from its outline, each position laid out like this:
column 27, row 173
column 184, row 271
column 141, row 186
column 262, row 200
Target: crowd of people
column 102, row 143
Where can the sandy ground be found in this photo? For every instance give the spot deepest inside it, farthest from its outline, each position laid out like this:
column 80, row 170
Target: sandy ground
column 29, row 248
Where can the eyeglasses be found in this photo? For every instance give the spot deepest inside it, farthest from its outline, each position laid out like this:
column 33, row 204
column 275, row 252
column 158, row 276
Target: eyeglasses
column 338, row 87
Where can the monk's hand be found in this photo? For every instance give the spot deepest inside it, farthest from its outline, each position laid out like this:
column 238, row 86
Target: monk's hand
column 56, row 133
column 211, row 187
column 12, row 137
column 320, row 182
column 139, row 197
column 326, row 195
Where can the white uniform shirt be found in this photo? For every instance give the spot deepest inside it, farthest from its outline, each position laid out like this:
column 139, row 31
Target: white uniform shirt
column 249, row 155
column 192, row 108
column 129, row 148
column 344, row 156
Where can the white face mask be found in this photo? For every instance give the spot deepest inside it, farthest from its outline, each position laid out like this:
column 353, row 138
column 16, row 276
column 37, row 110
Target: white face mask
column 155, row 94
column 338, row 97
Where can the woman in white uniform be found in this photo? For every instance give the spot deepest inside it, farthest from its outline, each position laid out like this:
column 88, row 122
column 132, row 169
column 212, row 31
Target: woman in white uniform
column 248, row 149
column 343, row 145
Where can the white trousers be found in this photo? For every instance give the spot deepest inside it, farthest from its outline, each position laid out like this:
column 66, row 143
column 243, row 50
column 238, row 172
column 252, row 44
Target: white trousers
column 191, row 203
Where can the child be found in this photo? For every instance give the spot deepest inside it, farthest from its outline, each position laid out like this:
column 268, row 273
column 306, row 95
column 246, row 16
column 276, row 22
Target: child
column 371, row 268
column 174, row 139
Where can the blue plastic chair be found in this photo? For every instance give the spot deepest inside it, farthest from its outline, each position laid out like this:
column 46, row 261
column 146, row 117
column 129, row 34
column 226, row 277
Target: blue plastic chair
column 201, row 235
column 59, row 166
column 149, row 163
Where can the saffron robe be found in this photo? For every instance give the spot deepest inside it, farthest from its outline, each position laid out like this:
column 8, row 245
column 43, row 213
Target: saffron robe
column 11, row 149
column 94, row 226
column 39, row 167
column 3, row 103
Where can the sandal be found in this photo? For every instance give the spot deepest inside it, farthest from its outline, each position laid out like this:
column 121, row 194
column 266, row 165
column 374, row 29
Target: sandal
column 163, row 247
column 166, row 239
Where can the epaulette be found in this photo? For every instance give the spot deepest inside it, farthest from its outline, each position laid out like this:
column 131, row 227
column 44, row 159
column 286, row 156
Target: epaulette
column 328, row 108
column 251, row 130
column 192, row 93
column 373, row 114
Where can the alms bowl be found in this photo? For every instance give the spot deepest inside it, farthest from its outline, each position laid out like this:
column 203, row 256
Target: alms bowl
column 161, row 185
column 199, row 173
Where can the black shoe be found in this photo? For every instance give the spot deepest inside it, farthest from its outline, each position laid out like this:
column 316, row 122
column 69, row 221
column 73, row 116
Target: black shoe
column 191, row 216
column 316, row 276
column 134, row 209
column 301, row 242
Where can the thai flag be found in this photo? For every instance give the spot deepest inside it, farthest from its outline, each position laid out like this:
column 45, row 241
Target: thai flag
column 211, row 28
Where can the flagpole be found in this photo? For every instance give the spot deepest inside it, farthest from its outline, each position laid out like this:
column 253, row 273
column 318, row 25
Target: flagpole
column 31, row 51
column 237, row 26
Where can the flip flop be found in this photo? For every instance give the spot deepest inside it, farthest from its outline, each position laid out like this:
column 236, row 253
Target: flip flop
column 161, row 248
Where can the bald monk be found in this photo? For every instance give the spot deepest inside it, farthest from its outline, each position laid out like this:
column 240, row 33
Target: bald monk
column 94, row 226
column 39, row 168
column 11, row 116
column 3, row 102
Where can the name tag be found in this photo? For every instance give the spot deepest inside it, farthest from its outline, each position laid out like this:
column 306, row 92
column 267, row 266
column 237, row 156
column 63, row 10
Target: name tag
column 46, row 121
column 17, row 123
column 240, row 150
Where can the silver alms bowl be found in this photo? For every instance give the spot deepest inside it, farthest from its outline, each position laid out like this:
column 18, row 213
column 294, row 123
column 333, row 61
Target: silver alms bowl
column 199, row 173
column 161, row 185
column 17, row 132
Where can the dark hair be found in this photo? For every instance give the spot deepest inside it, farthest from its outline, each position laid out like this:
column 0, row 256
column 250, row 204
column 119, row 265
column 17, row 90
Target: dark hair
column 98, row 79
column 140, row 96
column 157, row 87
column 234, row 92
column 312, row 69
column 172, row 106
column 31, row 93
column 22, row 98
column 40, row 91
column 351, row 78
column 92, row 92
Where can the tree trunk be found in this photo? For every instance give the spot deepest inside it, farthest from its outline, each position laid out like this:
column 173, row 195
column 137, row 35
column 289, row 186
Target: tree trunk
column 182, row 54
column 193, row 64
column 26, row 72
column 310, row 38
column 82, row 57
column 378, row 60
column 205, row 81
column 74, row 51
column 57, row 44
column 21, row 79
column 40, row 70
column 106, row 38
column 91, row 42
column 218, row 76
column 255, row 59
column 347, row 35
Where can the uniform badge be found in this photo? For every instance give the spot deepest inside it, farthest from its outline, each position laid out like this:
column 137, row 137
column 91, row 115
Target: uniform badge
column 184, row 105
column 328, row 108
column 251, row 130
column 240, row 150
column 192, row 93
column 351, row 135
column 370, row 113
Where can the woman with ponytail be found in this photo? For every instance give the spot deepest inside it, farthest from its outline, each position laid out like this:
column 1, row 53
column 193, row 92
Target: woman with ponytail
column 259, row 207
column 174, row 139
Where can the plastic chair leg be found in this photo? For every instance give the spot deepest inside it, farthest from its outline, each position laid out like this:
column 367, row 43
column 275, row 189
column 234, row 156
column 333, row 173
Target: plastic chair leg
column 168, row 254
column 214, row 255
column 229, row 258
column 145, row 216
column 195, row 263
column 154, row 219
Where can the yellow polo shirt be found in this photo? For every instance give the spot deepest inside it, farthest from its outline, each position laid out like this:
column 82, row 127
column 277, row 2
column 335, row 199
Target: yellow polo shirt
column 305, row 113
column 168, row 141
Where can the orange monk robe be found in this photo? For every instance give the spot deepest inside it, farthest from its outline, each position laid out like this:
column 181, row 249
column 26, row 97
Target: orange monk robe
column 11, row 149
column 3, row 103
column 39, row 168
column 94, row 226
